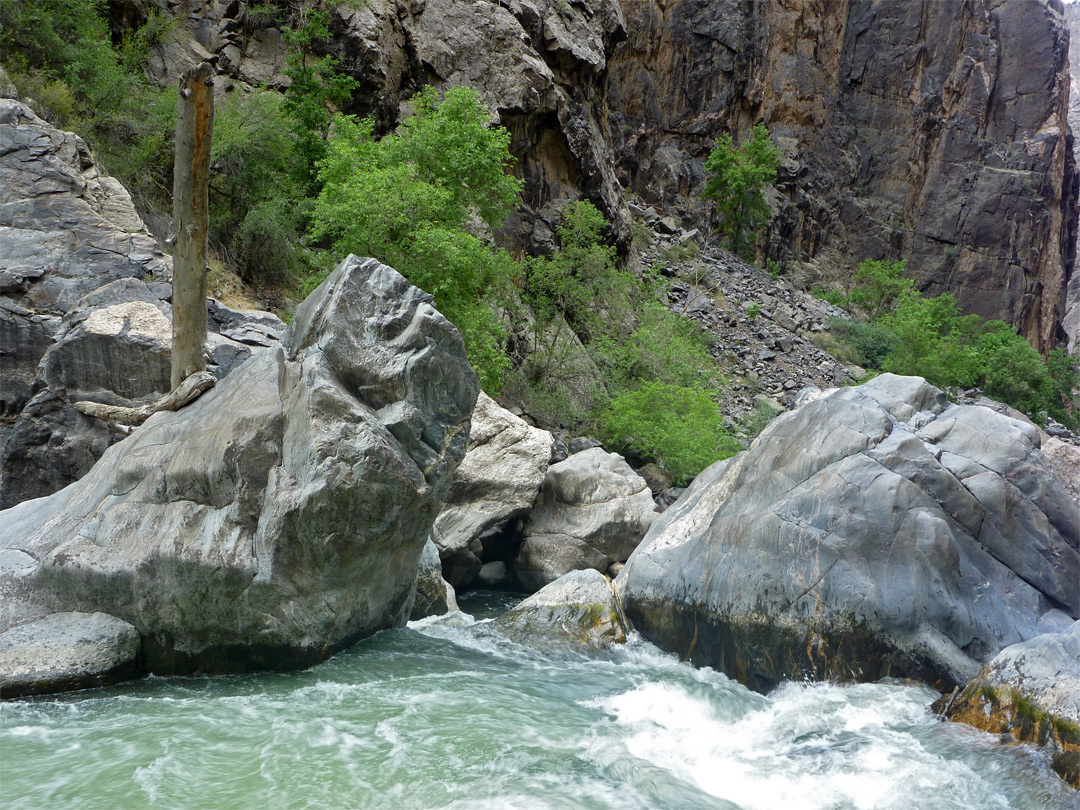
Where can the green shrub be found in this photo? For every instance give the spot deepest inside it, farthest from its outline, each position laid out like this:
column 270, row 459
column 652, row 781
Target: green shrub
column 933, row 340
column 878, row 286
column 60, row 53
column 258, row 208
column 679, row 427
column 407, row 199
column 736, row 182
column 870, row 343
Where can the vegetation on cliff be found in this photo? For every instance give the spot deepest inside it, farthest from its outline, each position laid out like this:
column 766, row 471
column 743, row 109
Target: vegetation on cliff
column 906, row 332
column 736, row 183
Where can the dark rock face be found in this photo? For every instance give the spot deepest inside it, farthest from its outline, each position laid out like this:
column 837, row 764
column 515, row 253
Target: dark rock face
column 66, row 229
column 935, row 131
column 874, row 531
column 84, row 312
column 282, row 515
column 1071, row 321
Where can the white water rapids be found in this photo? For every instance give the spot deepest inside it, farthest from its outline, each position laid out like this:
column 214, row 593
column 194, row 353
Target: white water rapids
column 441, row 716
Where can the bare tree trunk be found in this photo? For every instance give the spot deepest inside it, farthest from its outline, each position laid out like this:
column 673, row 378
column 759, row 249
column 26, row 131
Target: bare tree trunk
column 191, row 219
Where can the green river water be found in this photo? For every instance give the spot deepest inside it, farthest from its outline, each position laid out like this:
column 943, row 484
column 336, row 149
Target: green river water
column 445, row 716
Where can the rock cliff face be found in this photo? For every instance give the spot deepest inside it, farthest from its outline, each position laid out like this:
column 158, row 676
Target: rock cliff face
column 931, row 130
column 1071, row 321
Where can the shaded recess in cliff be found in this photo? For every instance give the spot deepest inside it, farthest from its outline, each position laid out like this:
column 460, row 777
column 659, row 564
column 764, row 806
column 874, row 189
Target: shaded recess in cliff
column 933, row 130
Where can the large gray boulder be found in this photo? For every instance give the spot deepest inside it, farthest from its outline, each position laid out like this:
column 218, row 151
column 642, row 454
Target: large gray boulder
column 874, row 531
column 497, row 482
column 592, row 511
column 1031, row 692
column 577, row 612
column 282, row 515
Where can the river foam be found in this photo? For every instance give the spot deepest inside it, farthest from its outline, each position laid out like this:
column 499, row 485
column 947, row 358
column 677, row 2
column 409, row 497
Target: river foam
column 446, row 715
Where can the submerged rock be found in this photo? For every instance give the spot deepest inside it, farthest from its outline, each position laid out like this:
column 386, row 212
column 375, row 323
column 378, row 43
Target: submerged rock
column 282, row 515
column 592, row 511
column 1031, row 692
column 875, row 531
column 578, row 611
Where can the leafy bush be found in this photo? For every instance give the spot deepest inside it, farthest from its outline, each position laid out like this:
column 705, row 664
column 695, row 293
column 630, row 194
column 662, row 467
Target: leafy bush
column 737, row 177
column 878, row 286
column 870, row 342
column 933, row 340
column 257, row 204
column 930, row 338
column 317, row 91
column 680, row 427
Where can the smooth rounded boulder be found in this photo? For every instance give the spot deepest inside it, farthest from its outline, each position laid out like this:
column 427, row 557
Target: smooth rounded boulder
column 592, row 511
column 282, row 515
column 875, row 531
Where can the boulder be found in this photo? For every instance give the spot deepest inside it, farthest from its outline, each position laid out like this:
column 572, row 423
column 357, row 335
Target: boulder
column 592, row 511
column 875, row 531
column 434, row 595
column 498, row 481
column 282, row 515
column 65, row 651
column 579, row 611
column 1031, row 692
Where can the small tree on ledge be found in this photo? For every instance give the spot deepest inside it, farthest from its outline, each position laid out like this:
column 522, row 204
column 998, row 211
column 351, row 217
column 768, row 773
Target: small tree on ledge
column 736, row 182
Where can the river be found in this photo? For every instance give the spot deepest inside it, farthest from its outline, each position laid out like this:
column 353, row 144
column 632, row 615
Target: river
column 445, row 715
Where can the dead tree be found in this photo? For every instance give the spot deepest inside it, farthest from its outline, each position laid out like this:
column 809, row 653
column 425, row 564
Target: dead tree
column 191, row 220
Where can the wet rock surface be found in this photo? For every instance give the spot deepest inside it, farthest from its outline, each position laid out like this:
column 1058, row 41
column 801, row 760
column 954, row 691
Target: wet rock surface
column 282, row 515
column 1030, row 692
column 874, row 531
column 65, row 651
column 578, row 612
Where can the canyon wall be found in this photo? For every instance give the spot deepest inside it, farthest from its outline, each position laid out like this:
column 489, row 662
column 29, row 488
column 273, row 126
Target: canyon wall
column 932, row 130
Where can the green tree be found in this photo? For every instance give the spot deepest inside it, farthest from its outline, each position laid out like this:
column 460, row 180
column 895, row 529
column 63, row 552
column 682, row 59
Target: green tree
column 736, row 183
column 407, row 199
column 878, row 285
column 318, row 88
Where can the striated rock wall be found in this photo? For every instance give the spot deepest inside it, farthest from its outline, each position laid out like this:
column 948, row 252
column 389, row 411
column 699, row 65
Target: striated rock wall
column 1071, row 321
column 934, row 130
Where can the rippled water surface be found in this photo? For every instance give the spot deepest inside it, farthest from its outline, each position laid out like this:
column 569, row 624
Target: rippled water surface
column 437, row 716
